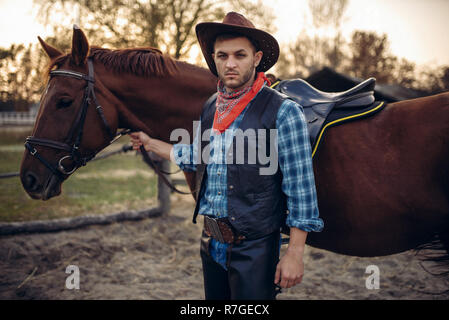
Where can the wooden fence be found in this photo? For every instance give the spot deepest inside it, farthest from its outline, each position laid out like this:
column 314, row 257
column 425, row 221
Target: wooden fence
column 17, row 118
column 12, row 228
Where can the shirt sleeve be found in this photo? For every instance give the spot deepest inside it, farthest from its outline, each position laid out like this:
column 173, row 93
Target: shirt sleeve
column 185, row 154
column 295, row 161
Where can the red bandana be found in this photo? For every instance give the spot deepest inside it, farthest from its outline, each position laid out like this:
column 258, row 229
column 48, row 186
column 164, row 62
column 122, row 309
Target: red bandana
column 230, row 105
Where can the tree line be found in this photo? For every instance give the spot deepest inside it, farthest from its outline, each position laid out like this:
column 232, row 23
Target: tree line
column 169, row 25
column 366, row 54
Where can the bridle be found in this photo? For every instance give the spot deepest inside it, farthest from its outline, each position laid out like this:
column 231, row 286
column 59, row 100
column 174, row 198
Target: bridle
column 73, row 140
column 71, row 144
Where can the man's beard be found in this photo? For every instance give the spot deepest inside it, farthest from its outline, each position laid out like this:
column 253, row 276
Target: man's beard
column 245, row 79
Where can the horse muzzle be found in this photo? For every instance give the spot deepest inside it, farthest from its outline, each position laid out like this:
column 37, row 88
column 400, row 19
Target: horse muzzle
column 38, row 188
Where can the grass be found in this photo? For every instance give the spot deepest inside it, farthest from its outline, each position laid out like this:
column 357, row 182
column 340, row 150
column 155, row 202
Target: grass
column 118, row 183
column 14, row 135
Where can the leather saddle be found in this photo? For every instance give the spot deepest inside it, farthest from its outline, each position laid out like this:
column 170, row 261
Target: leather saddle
column 318, row 104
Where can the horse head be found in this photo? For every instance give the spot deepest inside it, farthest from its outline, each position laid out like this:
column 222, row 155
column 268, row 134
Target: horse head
column 75, row 105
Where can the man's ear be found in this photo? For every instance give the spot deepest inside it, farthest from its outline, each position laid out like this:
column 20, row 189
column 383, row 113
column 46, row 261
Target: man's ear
column 258, row 57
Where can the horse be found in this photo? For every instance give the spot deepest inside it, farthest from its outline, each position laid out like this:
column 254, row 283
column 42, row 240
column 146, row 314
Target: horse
column 382, row 182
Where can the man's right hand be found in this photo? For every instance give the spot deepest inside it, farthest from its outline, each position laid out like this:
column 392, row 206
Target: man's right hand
column 159, row 147
column 140, row 138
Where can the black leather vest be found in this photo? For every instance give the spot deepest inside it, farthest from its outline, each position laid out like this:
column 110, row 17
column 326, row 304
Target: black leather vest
column 256, row 204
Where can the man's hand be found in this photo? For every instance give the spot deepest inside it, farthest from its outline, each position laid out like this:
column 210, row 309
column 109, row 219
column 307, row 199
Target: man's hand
column 140, row 138
column 290, row 269
column 159, row 147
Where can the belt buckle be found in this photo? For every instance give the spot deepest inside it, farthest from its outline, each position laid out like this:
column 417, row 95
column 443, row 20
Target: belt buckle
column 214, row 228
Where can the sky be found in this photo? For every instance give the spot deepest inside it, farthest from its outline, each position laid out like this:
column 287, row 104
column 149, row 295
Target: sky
column 417, row 29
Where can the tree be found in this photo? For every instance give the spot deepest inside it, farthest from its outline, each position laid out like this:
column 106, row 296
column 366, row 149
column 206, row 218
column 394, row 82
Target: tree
column 165, row 24
column 312, row 51
column 434, row 80
column 445, row 78
column 20, row 83
column 327, row 13
column 303, row 57
column 404, row 73
column 370, row 56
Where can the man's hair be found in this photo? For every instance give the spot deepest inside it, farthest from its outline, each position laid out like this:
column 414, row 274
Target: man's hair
column 228, row 36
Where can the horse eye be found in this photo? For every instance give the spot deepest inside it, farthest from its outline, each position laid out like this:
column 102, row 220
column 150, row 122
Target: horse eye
column 64, row 103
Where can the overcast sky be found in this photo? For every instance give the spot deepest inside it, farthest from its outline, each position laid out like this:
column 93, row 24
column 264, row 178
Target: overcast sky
column 417, row 29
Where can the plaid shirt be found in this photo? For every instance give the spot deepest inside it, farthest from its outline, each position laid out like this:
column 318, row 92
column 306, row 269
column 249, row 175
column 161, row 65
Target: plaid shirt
column 295, row 162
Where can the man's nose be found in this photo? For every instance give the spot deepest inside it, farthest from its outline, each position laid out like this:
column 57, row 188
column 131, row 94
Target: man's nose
column 230, row 63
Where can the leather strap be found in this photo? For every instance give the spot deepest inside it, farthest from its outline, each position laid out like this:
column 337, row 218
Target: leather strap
column 34, row 153
column 94, row 97
column 49, row 143
column 161, row 175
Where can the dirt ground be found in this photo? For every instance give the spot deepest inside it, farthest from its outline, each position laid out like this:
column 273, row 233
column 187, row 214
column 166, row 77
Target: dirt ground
column 158, row 258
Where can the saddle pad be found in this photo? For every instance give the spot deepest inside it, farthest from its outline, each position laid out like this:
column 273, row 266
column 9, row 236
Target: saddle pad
column 344, row 115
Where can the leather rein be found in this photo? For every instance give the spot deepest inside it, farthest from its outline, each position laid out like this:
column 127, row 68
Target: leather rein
column 73, row 148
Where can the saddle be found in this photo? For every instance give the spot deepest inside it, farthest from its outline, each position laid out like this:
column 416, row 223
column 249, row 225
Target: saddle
column 325, row 109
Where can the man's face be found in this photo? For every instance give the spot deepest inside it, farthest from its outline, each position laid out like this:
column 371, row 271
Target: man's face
column 236, row 62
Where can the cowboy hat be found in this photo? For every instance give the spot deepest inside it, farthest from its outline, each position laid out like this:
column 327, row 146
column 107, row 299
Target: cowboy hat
column 233, row 22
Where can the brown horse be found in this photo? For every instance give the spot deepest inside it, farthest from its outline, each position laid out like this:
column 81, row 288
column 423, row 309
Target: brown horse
column 382, row 182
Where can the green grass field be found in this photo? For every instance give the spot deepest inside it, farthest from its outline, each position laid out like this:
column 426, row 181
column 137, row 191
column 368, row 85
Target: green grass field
column 118, row 183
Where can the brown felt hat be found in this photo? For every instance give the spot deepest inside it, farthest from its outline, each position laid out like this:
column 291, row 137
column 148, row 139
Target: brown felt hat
column 233, row 22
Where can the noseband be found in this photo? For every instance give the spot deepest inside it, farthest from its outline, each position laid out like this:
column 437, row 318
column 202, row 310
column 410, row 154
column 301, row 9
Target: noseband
column 73, row 140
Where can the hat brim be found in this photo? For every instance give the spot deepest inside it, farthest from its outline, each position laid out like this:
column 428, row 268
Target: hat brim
column 206, row 33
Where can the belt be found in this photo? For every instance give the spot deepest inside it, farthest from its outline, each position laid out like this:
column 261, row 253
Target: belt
column 220, row 230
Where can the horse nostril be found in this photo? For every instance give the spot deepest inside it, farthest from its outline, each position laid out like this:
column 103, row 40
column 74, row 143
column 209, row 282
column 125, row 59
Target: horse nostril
column 30, row 181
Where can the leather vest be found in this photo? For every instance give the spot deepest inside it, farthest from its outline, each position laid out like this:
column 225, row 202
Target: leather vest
column 256, row 204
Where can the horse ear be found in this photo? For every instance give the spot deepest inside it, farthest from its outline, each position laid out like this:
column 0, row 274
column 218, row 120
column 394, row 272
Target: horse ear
column 80, row 46
column 51, row 51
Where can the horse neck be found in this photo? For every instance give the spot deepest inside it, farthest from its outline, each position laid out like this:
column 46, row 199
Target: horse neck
column 157, row 106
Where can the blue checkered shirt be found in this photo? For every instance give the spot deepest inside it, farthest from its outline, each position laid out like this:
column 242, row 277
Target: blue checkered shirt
column 295, row 162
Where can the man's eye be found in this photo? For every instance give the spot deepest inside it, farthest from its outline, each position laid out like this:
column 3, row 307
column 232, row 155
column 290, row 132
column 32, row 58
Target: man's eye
column 64, row 103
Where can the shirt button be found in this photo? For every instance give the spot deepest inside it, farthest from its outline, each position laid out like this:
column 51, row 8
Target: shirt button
column 233, row 218
column 219, row 172
column 287, row 211
column 231, row 187
column 219, row 192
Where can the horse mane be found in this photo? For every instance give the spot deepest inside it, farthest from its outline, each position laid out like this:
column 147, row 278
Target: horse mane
column 146, row 62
